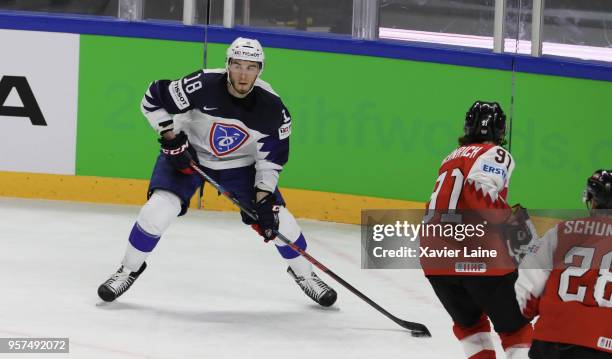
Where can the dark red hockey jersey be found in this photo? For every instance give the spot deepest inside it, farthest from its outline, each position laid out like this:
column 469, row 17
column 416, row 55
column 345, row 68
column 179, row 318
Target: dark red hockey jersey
column 472, row 180
column 566, row 278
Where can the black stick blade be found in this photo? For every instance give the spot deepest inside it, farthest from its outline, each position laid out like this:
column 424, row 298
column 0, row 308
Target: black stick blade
column 416, row 329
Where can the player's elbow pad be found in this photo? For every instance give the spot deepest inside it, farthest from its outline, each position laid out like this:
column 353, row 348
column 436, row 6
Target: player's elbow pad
column 266, row 180
column 160, row 120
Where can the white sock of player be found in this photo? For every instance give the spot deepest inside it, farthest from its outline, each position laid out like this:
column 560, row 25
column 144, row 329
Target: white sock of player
column 478, row 345
column 300, row 265
column 133, row 258
column 476, row 340
column 153, row 220
column 517, row 353
column 289, row 227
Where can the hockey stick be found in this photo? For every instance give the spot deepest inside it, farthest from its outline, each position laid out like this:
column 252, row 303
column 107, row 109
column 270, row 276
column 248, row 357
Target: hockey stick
column 416, row 329
column 205, row 56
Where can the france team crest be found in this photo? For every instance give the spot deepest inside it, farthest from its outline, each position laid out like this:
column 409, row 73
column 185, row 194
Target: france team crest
column 226, row 138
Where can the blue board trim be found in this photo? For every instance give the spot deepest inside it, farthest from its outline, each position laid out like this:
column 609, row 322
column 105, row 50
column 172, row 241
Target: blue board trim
column 481, row 58
column 565, row 67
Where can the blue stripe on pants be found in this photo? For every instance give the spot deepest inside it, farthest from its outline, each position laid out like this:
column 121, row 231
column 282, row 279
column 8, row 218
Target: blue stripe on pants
column 142, row 240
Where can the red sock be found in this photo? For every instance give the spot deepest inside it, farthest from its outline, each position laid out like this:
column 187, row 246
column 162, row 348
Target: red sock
column 516, row 344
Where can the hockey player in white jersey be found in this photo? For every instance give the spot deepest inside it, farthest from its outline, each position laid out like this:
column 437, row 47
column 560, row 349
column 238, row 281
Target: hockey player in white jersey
column 237, row 128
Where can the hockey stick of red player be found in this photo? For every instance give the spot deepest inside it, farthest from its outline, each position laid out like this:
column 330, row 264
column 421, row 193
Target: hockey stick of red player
column 416, row 329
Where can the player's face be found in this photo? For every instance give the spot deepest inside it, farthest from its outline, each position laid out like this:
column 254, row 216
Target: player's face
column 243, row 74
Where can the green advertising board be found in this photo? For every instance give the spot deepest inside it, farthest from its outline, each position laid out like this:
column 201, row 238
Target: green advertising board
column 362, row 125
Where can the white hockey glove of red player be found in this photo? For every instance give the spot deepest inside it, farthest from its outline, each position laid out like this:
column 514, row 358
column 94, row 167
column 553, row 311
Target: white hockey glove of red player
column 519, row 230
column 267, row 217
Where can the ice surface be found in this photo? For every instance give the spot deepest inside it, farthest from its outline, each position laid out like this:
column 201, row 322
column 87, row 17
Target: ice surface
column 213, row 289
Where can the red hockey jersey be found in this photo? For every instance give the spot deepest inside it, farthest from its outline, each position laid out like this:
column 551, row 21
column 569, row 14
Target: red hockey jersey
column 472, row 177
column 566, row 278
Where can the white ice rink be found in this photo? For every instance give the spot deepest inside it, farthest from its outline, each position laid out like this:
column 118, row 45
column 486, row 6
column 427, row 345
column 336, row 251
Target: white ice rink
column 213, row 289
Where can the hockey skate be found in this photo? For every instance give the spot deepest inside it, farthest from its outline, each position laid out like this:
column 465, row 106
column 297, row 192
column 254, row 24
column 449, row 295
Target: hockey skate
column 315, row 288
column 119, row 283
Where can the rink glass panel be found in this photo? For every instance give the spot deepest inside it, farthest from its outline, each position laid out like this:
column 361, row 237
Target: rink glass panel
column 301, row 15
column 89, row 7
column 578, row 22
column 164, row 10
column 468, row 17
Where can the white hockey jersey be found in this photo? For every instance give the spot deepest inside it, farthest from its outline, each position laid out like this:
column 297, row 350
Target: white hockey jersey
column 227, row 132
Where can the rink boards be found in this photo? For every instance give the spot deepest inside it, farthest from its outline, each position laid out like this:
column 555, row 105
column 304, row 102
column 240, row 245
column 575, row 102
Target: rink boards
column 368, row 132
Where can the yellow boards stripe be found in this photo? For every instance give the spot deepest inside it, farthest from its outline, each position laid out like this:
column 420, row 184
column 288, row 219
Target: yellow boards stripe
column 325, row 206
